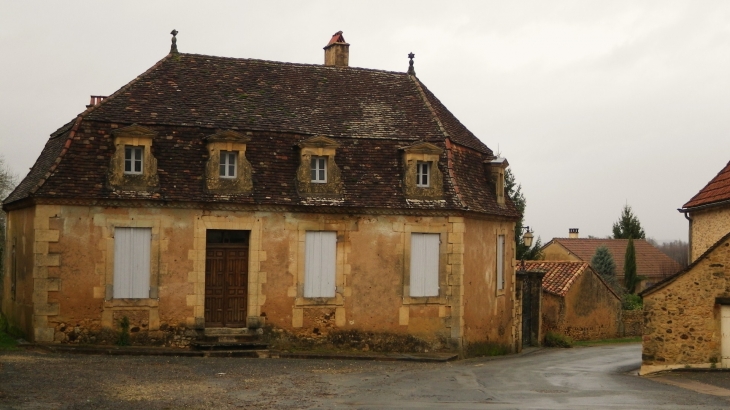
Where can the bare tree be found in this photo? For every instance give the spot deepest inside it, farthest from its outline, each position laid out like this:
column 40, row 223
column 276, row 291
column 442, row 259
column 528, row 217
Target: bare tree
column 8, row 181
column 677, row 250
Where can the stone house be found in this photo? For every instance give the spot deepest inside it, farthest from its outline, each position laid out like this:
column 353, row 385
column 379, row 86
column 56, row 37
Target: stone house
column 651, row 263
column 708, row 213
column 576, row 301
column 214, row 192
column 687, row 316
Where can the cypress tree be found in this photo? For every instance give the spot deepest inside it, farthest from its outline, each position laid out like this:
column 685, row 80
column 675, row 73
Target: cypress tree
column 631, row 279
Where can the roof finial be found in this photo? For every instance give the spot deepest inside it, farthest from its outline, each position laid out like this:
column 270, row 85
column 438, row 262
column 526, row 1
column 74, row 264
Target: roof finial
column 411, row 70
column 173, row 47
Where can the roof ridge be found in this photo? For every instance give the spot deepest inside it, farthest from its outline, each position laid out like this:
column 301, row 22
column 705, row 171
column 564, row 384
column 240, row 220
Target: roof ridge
column 321, row 66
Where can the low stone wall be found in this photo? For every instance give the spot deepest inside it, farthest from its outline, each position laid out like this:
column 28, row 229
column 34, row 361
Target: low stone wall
column 632, row 323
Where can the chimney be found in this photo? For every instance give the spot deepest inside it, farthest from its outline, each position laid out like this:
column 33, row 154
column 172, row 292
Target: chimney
column 96, row 100
column 337, row 51
column 572, row 232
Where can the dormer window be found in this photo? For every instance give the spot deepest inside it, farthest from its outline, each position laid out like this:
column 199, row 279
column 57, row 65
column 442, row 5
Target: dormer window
column 133, row 160
column 423, row 174
column 228, row 162
column 319, row 170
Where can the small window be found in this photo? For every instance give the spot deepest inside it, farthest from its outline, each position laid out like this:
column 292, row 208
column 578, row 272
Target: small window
column 500, row 262
column 319, row 271
column 132, row 263
column 319, row 169
column 133, row 160
column 228, row 164
column 423, row 175
column 424, row 264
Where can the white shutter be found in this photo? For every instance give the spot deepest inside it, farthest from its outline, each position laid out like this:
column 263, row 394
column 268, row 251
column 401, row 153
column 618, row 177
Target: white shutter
column 132, row 262
column 320, row 260
column 500, row 262
column 424, row 264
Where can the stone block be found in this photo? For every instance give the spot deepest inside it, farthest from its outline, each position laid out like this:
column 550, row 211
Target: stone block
column 40, row 247
column 297, row 317
column 53, row 284
column 47, row 309
column 404, row 313
column 47, row 260
column 46, row 235
column 340, row 317
column 43, row 334
column 99, row 292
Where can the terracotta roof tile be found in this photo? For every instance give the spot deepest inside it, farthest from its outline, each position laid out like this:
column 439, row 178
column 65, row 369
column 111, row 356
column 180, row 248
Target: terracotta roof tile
column 717, row 190
column 559, row 275
column 650, row 261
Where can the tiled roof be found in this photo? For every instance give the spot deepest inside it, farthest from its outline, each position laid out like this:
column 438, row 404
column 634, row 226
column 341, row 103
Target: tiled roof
column 559, row 275
column 372, row 115
column 650, row 261
column 717, row 190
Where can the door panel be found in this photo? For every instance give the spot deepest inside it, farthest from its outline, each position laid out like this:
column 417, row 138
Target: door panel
column 226, row 286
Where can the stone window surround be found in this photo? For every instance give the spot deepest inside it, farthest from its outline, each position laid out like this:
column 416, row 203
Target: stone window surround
column 341, row 266
column 230, row 141
column 318, row 146
column 133, row 136
column 421, row 152
column 442, row 230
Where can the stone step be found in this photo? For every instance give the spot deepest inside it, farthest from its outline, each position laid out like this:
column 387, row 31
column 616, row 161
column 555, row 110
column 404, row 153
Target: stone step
column 231, row 346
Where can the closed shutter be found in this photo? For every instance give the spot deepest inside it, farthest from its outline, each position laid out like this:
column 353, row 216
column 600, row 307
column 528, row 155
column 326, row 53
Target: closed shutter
column 424, row 264
column 132, row 262
column 320, row 259
column 500, row 262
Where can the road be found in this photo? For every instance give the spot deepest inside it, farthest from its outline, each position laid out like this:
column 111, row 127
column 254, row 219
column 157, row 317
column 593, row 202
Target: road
column 581, row 378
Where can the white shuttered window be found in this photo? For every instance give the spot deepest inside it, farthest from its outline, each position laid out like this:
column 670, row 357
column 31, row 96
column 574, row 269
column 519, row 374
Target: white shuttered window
column 320, row 259
column 500, row 262
column 132, row 262
column 424, row 264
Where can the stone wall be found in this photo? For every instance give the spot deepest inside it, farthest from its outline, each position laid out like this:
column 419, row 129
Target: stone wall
column 682, row 318
column 632, row 322
column 707, row 227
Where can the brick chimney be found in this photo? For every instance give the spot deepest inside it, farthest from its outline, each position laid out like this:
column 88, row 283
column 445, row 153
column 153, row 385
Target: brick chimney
column 572, row 232
column 337, row 51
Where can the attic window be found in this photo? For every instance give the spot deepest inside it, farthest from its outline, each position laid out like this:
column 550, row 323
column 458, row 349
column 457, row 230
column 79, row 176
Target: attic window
column 133, row 160
column 423, row 174
column 319, row 170
column 228, row 164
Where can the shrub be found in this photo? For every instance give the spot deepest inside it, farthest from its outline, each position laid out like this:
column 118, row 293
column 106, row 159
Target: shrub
column 124, row 332
column 554, row 339
column 486, row 349
column 632, row 302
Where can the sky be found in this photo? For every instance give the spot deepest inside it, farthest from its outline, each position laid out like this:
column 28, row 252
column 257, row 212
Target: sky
column 595, row 104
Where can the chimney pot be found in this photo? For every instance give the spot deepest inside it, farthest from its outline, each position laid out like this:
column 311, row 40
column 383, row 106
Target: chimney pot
column 572, row 232
column 337, row 51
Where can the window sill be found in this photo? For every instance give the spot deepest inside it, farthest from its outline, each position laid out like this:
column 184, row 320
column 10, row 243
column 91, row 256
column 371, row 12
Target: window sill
column 424, row 300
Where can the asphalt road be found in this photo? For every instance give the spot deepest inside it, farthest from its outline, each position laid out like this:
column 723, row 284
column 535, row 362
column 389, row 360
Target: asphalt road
column 581, row 378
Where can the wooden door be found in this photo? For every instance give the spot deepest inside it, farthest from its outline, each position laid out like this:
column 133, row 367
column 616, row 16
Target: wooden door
column 226, row 285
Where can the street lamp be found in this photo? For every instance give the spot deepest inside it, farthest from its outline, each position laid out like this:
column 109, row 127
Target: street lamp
column 527, row 237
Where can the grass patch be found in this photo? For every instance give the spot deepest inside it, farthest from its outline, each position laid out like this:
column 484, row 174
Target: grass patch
column 554, row 339
column 7, row 342
column 633, row 339
column 486, row 349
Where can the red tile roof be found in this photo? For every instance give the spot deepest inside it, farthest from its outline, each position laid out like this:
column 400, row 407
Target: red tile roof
column 717, row 190
column 337, row 38
column 650, row 261
column 560, row 275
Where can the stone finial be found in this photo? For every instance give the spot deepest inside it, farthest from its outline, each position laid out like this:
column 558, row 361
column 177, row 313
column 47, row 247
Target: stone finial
column 411, row 70
column 173, row 47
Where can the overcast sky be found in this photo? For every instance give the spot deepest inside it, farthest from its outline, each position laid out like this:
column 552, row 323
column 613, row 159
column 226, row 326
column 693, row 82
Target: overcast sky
column 595, row 104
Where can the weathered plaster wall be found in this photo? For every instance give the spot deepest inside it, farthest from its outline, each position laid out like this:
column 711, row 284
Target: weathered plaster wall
column 488, row 312
column 74, row 265
column 588, row 311
column 708, row 226
column 682, row 321
column 17, row 304
column 556, row 252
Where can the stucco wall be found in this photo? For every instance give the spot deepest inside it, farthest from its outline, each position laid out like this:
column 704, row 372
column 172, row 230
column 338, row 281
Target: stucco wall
column 708, row 226
column 488, row 312
column 372, row 275
column 588, row 311
column 556, row 252
column 682, row 321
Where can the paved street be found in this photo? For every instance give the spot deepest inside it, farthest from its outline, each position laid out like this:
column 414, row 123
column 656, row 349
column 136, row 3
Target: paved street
column 580, row 378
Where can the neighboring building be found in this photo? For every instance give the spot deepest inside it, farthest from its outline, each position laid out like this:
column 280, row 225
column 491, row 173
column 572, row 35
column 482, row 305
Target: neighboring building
column 215, row 192
column 687, row 316
column 651, row 263
column 708, row 213
column 576, row 301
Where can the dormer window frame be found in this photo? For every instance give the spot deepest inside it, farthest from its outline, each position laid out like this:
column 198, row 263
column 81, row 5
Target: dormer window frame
column 423, row 174
column 228, row 165
column 319, row 169
column 133, row 160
